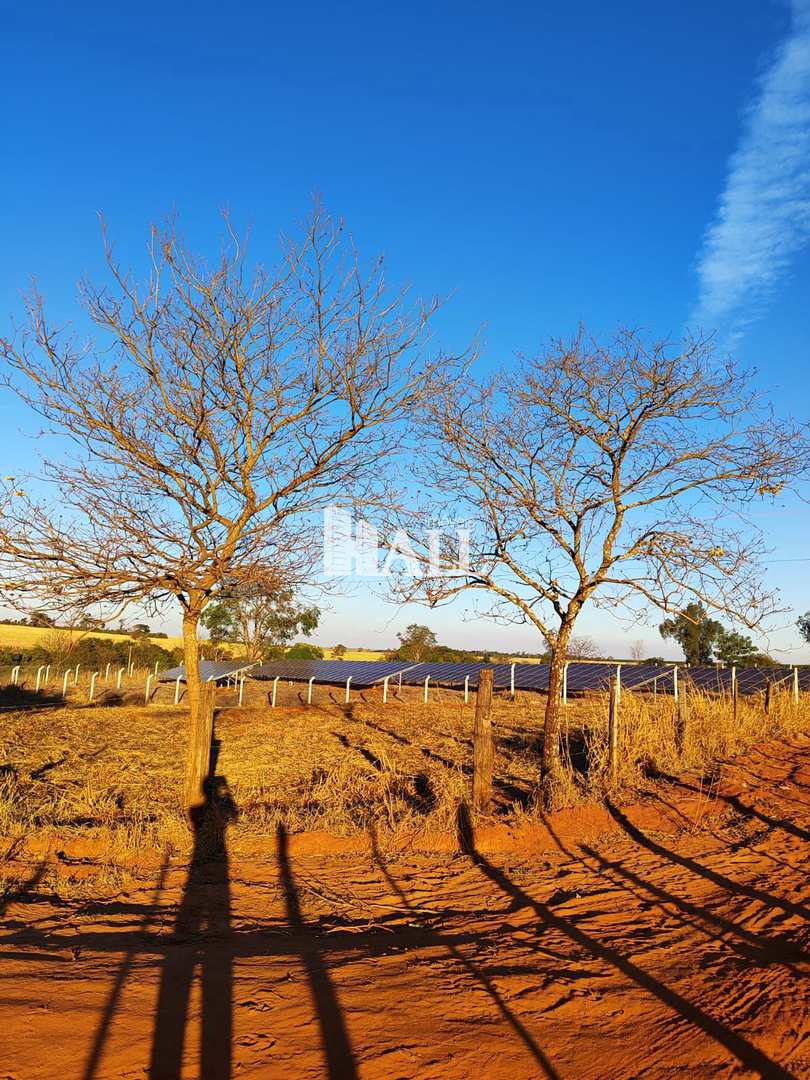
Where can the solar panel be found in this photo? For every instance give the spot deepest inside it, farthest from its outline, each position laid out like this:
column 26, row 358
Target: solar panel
column 708, row 679
column 647, row 677
column 531, row 676
column 453, row 676
column 331, row 672
column 210, row 670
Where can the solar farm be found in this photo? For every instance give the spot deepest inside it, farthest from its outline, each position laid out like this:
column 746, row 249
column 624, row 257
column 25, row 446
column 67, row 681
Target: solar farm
column 578, row 677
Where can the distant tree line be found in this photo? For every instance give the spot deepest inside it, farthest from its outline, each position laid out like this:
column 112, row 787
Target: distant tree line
column 62, row 649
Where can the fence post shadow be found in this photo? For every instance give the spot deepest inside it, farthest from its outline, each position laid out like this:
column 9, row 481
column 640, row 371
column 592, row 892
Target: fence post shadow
column 472, row 968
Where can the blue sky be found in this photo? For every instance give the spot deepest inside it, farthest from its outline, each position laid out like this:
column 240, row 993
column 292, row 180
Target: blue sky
column 543, row 163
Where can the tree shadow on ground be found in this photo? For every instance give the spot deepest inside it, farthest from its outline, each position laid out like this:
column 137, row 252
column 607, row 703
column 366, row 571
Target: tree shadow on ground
column 23, row 697
column 422, row 798
column 20, row 890
column 746, row 1053
column 195, row 944
column 203, row 941
column 736, row 803
column 697, row 868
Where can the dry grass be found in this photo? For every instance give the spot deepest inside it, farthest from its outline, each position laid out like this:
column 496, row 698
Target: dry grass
column 28, row 637
column 110, row 777
column 648, row 744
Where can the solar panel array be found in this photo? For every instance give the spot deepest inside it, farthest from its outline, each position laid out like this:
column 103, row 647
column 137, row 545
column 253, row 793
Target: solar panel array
column 330, row 672
column 210, row 670
column 751, row 680
column 580, row 676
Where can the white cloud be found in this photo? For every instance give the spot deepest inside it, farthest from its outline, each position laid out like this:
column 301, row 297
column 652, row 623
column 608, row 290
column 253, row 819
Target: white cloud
column 763, row 216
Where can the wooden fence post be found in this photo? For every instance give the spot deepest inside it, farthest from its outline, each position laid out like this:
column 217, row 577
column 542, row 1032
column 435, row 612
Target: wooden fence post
column 681, row 720
column 483, row 749
column 768, row 698
column 613, row 726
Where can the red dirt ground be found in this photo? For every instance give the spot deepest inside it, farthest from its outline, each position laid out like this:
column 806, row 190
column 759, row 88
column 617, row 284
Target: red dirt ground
column 666, row 939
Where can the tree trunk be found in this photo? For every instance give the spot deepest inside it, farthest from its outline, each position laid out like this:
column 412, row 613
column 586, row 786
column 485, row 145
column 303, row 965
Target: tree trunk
column 200, row 724
column 551, row 777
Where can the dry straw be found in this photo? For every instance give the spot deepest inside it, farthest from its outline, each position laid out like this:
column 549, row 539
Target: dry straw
column 112, row 776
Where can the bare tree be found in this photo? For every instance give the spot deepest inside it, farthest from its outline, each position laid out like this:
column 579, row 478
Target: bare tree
column 219, row 410
column 605, row 475
column 582, row 648
column 637, row 649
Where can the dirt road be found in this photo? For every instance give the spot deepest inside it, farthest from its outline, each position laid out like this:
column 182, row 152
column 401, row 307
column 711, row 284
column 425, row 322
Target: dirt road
column 675, row 942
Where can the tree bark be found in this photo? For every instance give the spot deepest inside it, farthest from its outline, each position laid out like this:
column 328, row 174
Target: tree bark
column 200, row 722
column 483, row 749
column 551, row 776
